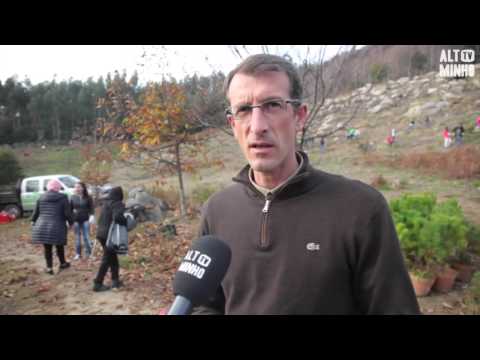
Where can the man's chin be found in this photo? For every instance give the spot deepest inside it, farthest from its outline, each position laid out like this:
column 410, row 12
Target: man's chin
column 262, row 165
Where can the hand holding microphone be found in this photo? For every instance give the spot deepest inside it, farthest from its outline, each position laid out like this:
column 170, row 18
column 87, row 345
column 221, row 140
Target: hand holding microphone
column 199, row 274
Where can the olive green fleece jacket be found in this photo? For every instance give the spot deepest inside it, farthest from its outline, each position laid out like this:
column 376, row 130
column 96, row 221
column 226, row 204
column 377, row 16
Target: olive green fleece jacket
column 322, row 244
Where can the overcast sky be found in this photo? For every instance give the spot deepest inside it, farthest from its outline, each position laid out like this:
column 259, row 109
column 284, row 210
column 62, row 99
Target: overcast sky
column 44, row 62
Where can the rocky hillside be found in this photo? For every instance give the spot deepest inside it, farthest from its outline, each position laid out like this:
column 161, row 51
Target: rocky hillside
column 447, row 102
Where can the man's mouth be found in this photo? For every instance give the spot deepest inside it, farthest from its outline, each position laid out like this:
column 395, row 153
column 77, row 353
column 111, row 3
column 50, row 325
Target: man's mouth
column 260, row 145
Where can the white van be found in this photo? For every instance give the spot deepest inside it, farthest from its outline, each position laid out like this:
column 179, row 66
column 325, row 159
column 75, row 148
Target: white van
column 33, row 187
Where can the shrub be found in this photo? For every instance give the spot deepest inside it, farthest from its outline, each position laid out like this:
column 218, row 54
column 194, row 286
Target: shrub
column 379, row 182
column 430, row 233
column 11, row 170
column 379, row 72
column 201, row 193
column 168, row 194
column 472, row 295
column 458, row 163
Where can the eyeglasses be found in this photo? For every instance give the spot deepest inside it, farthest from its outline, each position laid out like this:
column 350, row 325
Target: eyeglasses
column 269, row 108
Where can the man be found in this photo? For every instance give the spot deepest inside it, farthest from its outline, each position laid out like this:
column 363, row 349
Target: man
column 458, row 131
column 303, row 241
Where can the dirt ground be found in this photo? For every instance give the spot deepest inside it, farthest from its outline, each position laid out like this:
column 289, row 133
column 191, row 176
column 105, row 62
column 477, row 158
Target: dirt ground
column 26, row 289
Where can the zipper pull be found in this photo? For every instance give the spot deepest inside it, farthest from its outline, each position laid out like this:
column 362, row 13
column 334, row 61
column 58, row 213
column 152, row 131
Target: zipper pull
column 267, row 205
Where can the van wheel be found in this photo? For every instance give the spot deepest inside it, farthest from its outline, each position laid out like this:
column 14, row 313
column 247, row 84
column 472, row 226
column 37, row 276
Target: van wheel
column 13, row 209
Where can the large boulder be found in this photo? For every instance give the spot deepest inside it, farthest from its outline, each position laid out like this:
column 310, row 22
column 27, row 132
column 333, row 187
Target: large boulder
column 378, row 90
column 154, row 209
column 428, row 108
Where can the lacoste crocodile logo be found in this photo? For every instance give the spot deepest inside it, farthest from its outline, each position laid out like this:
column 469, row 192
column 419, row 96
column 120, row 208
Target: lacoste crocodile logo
column 313, row 246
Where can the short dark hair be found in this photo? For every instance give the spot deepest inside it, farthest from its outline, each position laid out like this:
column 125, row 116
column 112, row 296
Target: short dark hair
column 259, row 63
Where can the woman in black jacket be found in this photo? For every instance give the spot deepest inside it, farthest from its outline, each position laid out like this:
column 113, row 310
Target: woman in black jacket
column 49, row 219
column 83, row 214
column 112, row 211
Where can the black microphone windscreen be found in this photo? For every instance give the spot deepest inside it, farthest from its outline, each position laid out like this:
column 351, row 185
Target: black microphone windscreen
column 202, row 270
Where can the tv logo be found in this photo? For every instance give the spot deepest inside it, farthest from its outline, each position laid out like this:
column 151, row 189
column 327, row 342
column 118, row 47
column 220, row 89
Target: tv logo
column 194, row 263
column 456, row 63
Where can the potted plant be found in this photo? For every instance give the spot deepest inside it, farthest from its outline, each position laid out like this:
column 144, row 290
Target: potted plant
column 462, row 262
column 430, row 234
column 447, row 229
column 410, row 213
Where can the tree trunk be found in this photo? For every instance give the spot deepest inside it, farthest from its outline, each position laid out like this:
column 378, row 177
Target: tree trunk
column 57, row 127
column 180, row 180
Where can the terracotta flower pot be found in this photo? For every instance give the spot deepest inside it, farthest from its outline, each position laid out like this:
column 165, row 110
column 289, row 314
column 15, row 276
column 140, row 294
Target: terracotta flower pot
column 445, row 280
column 465, row 272
column 422, row 286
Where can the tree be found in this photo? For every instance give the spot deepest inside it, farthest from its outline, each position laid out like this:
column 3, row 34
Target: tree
column 379, row 72
column 419, row 62
column 11, row 170
column 164, row 135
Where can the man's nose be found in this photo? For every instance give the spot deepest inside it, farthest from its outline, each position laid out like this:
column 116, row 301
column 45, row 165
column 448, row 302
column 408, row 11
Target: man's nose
column 258, row 121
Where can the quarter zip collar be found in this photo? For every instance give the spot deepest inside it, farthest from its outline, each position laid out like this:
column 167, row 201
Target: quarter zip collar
column 266, row 191
column 301, row 178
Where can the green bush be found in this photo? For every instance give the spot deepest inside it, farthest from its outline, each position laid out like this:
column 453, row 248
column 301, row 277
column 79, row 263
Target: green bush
column 11, row 170
column 430, row 233
column 379, row 72
column 472, row 295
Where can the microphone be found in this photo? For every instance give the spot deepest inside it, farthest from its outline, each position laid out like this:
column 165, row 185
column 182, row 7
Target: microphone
column 200, row 273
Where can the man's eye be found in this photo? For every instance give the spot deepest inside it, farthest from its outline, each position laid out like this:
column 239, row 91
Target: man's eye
column 273, row 105
column 243, row 110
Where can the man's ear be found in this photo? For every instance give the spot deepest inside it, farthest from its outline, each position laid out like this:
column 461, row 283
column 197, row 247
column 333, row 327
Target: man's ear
column 301, row 117
column 231, row 122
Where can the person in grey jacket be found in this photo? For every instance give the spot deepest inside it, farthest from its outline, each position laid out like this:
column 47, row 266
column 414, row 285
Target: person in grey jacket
column 83, row 215
column 49, row 220
column 112, row 211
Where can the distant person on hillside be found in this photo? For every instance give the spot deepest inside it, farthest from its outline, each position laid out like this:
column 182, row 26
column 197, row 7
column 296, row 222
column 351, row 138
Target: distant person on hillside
column 303, row 241
column 390, row 140
column 322, row 144
column 428, row 122
column 49, row 219
column 477, row 124
column 411, row 126
column 458, row 131
column 83, row 215
column 446, row 138
column 393, row 134
column 350, row 133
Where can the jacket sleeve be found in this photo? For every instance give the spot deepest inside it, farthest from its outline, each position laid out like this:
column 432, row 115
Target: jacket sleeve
column 36, row 212
column 381, row 281
column 91, row 207
column 216, row 305
column 117, row 213
column 67, row 209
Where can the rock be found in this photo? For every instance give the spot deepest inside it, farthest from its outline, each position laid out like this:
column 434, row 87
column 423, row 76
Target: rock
column 431, row 91
column 449, row 96
column 156, row 209
column 476, row 81
column 375, row 109
column 402, row 80
column 429, row 108
column 457, row 88
column 378, row 90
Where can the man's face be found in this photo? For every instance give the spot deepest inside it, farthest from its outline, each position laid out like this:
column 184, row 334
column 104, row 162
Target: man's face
column 268, row 142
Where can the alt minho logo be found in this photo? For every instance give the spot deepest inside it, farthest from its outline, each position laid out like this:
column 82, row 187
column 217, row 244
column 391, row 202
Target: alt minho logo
column 457, row 63
column 188, row 265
